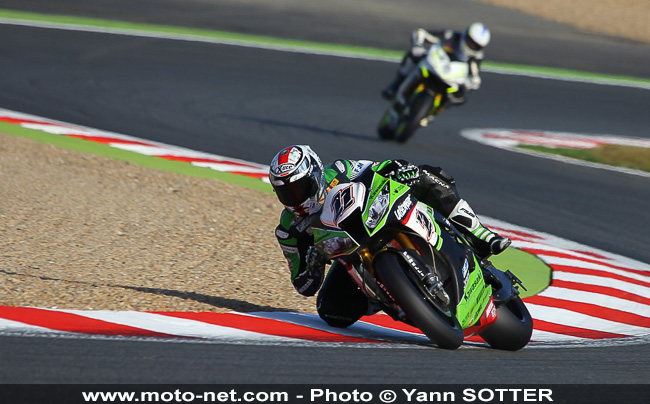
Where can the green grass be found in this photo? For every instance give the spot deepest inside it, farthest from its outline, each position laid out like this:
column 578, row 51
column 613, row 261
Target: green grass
column 637, row 158
column 534, row 273
column 179, row 167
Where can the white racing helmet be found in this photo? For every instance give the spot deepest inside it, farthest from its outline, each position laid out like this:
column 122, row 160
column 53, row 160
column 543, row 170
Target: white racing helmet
column 296, row 174
column 475, row 37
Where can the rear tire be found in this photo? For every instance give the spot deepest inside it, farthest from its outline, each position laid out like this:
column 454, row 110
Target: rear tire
column 512, row 329
column 443, row 330
column 420, row 108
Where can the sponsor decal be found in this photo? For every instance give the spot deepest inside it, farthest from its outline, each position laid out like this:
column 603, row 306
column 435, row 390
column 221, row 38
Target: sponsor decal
column 491, row 310
column 332, row 184
column 305, row 286
column 281, row 234
column 465, row 274
column 413, row 264
column 438, row 181
column 469, row 291
column 359, row 167
column 404, row 208
column 289, row 249
column 468, row 212
column 384, row 187
column 303, row 225
column 425, row 222
column 284, row 169
column 340, row 166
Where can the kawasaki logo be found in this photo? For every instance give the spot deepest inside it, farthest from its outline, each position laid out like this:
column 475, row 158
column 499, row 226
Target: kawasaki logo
column 468, row 292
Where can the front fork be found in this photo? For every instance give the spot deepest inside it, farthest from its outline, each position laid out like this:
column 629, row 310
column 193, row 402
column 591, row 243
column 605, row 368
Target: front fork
column 429, row 280
column 367, row 256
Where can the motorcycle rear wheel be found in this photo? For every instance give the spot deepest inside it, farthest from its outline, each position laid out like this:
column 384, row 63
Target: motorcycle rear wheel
column 443, row 330
column 513, row 327
column 419, row 109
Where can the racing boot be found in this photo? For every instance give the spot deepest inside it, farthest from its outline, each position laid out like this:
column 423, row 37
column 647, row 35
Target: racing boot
column 484, row 241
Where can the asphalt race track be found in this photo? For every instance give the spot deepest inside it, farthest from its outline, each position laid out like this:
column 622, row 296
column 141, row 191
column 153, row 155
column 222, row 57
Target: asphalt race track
column 248, row 103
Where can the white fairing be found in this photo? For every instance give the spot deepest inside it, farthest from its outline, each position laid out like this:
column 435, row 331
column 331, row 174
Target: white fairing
column 420, row 222
column 342, row 200
column 438, row 62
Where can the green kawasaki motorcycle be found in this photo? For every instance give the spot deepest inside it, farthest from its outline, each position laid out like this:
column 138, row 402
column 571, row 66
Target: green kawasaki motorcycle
column 409, row 259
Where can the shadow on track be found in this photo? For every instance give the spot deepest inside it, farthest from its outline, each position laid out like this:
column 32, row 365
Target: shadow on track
column 308, row 128
column 216, row 301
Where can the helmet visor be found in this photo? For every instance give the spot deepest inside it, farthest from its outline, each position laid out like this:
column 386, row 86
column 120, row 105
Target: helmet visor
column 295, row 193
column 472, row 44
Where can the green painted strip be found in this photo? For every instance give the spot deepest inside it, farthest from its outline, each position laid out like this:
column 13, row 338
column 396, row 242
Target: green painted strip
column 174, row 32
column 565, row 74
column 11, row 16
column 179, row 167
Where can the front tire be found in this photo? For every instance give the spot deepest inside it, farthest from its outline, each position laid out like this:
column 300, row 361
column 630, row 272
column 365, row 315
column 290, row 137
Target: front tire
column 443, row 330
column 513, row 327
column 383, row 130
column 420, row 108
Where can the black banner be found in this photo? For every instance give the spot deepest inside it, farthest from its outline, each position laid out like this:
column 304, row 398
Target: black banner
column 374, row 394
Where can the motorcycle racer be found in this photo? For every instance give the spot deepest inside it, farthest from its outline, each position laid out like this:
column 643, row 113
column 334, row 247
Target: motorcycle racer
column 466, row 46
column 301, row 183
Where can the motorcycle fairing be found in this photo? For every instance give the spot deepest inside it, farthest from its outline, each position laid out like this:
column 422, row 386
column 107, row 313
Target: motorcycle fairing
column 476, row 298
column 383, row 196
column 334, row 243
column 422, row 221
column 341, row 201
column 438, row 62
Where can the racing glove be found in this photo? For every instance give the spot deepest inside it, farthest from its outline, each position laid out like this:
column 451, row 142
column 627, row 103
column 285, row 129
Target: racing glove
column 407, row 174
column 310, row 279
column 418, row 51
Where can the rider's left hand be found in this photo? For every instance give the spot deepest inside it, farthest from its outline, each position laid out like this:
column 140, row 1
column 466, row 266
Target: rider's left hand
column 407, row 174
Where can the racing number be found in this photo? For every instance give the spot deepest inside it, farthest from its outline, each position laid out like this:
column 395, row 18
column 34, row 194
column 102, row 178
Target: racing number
column 342, row 202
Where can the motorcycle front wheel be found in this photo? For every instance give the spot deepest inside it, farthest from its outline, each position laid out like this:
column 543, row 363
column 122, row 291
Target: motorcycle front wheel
column 383, row 130
column 419, row 108
column 442, row 329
